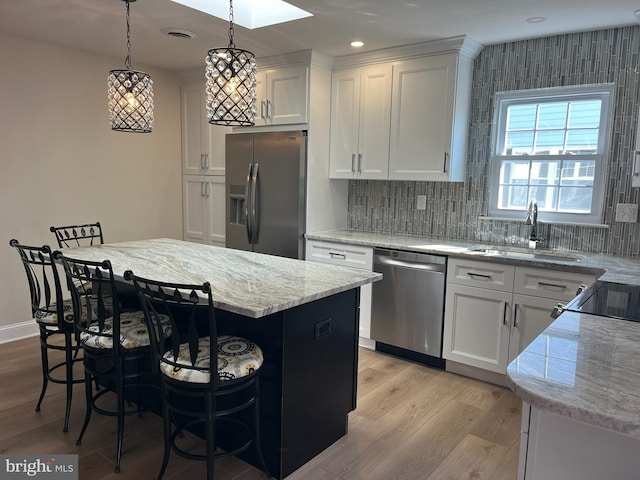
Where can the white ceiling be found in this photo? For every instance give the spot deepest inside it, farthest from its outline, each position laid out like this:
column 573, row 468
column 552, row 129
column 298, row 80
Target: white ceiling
column 99, row 25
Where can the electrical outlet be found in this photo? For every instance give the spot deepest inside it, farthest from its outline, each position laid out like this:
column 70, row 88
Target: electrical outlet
column 627, row 212
column 421, row 202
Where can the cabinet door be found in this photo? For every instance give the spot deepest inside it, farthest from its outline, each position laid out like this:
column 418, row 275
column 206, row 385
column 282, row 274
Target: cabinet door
column 194, row 205
column 202, row 143
column 422, row 118
column 194, row 129
column 204, row 209
column 215, row 208
column 375, row 122
column 476, row 327
column 282, row 96
column 531, row 316
column 345, row 111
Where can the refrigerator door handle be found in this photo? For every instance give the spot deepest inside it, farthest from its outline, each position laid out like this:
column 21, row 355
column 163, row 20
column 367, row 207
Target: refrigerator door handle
column 247, row 201
column 255, row 203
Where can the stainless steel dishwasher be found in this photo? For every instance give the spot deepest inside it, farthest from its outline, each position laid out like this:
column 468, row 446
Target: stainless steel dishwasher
column 408, row 304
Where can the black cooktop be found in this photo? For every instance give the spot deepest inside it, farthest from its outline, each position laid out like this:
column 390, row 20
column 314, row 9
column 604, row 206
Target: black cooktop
column 609, row 299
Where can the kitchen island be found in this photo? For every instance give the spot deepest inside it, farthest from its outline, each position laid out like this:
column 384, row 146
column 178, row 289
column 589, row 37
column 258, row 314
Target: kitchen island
column 580, row 384
column 303, row 315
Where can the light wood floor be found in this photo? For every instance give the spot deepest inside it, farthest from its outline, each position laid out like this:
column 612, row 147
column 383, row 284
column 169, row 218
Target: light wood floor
column 412, row 422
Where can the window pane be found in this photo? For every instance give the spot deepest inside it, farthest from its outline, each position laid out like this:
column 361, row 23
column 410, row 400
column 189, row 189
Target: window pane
column 553, row 115
column 580, row 142
column 585, row 114
column 514, row 172
column 521, row 117
column 545, row 172
column 545, row 196
column 575, row 200
column 518, row 143
column 578, row 173
column 513, row 197
column 550, row 142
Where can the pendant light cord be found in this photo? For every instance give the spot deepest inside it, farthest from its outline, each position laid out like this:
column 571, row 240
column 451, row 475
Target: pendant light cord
column 231, row 44
column 127, row 62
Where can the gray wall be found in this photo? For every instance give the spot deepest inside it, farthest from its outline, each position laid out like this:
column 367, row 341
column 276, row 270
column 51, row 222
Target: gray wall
column 454, row 210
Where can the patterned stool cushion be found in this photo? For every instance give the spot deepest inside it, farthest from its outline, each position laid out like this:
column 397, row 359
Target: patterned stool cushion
column 50, row 319
column 133, row 332
column 237, row 358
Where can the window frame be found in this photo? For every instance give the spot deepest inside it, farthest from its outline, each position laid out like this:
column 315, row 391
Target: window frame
column 604, row 92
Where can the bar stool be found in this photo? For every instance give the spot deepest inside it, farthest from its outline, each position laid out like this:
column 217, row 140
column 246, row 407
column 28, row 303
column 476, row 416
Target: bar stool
column 78, row 235
column 193, row 398
column 54, row 317
column 115, row 342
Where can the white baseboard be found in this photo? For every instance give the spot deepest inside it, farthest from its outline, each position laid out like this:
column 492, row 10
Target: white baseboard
column 17, row 331
column 367, row 343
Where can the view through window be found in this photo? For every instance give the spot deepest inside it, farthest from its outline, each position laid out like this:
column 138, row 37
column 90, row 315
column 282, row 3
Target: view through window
column 550, row 146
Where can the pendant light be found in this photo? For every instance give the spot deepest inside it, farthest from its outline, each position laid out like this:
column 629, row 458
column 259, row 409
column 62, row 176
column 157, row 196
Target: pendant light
column 130, row 95
column 231, row 83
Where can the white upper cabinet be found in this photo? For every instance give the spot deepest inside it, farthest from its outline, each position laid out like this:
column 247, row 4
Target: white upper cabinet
column 360, row 122
column 202, row 143
column 425, row 142
column 403, row 113
column 282, row 95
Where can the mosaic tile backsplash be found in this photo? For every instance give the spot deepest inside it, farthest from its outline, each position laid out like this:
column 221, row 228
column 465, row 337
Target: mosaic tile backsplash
column 455, row 210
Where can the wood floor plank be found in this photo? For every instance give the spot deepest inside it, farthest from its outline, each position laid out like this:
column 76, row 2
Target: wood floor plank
column 412, row 422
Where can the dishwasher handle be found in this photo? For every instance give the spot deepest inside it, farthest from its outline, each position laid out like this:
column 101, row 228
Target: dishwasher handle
column 409, row 260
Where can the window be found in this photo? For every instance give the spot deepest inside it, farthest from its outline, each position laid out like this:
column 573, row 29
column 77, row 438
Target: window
column 551, row 146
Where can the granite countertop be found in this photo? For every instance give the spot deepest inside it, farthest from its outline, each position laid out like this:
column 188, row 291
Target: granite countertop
column 608, row 267
column 247, row 283
column 585, row 367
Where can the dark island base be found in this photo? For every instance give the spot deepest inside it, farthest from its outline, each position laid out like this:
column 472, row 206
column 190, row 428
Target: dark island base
column 308, row 380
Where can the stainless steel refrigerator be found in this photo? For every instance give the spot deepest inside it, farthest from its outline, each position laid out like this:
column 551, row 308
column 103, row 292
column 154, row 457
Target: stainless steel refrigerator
column 265, row 192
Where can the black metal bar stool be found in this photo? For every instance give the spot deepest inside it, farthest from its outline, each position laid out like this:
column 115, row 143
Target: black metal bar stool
column 193, row 398
column 115, row 343
column 54, row 317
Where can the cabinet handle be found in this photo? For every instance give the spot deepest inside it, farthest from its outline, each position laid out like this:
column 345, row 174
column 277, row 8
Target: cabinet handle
column 207, row 189
column 341, row 256
column 504, row 313
column 444, row 167
column 202, row 189
column 515, row 315
column 481, row 275
column 359, row 163
column 262, row 108
column 202, row 161
column 269, row 108
column 206, row 161
column 581, row 289
column 353, row 163
column 636, row 155
column 554, row 285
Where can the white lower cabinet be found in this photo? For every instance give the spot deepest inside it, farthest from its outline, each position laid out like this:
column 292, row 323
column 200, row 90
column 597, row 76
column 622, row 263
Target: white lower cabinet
column 493, row 311
column 203, row 203
column 354, row 256
column 557, row 447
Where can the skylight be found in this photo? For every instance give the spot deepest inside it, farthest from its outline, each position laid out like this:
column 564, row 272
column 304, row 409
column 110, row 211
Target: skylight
column 249, row 13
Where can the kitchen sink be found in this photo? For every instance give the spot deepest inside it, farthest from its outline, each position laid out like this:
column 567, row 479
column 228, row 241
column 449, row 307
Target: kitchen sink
column 526, row 253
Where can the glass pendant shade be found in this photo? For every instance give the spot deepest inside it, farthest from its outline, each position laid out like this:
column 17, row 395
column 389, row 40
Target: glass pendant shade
column 130, row 94
column 231, row 87
column 130, row 101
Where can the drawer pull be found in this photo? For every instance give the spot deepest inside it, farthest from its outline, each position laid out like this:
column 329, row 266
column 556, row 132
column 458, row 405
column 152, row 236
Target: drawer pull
column 554, row 285
column 581, row 289
column 341, row 256
column 557, row 311
column 481, row 275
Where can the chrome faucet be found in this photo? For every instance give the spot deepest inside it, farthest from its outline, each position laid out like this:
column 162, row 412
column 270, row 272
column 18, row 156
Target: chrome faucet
column 532, row 219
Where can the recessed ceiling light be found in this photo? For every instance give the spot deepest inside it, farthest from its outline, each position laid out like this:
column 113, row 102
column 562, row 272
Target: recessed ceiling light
column 250, row 13
column 357, row 43
column 536, row 19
